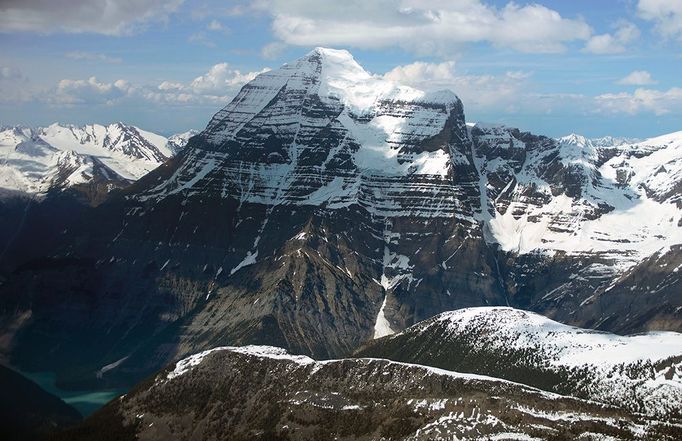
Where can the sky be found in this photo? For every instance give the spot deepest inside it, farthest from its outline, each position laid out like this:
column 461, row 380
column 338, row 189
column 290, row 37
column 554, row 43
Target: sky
column 552, row 67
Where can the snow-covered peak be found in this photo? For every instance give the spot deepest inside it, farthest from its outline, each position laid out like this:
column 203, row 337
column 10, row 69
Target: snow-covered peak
column 338, row 62
column 178, row 141
column 332, row 76
column 575, row 139
column 63, row 155
column 639, row 372
column 568, row 345
column 329, row 53
column 605, row 142
column 323, row 114
column 342, row 78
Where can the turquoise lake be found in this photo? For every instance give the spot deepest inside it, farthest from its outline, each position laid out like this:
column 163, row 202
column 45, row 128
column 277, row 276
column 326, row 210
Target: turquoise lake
column 86, row 401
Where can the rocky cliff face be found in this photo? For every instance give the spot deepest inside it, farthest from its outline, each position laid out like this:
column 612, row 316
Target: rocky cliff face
column 260, row 392
column 572, row 217
column 323, row 207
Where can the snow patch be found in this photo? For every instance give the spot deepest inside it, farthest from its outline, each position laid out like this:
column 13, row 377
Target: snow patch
column 382, row 327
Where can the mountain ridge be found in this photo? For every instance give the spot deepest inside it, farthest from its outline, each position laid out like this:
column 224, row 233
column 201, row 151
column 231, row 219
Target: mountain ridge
column 263, row 392
column 641, row 372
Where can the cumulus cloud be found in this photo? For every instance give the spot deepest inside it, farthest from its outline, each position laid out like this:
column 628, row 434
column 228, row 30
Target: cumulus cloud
column 478, row 92
column 665, row 14
column 109, row 17
column 215, row 87
column 422, row 26
column 221, row 78
column 637, row 78
column 215, row 25
column 615, row 43
column 641, row 100
column 420, row 73
column 90, row 91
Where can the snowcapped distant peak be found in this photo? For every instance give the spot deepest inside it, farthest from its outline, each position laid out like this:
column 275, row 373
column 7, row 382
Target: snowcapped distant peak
column 178, row 141
column 331, row 53
column 602, row 142
column 342, row 78
column 339, row 57
column 63, row 155
column 575, row 139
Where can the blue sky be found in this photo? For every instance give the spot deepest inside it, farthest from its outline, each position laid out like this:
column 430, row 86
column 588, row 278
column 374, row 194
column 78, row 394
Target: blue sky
column 551, row 67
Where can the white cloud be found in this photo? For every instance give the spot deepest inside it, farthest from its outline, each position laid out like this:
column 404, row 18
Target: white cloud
column 272, row 50
column 615, row 43
column 422, row 26
column 478, row 92
column 510, row 93
column 216, row 87
column 93, row 56
column 637, row 78
column 641, row 100
column 420, row 73
column 220, row 79
column 666, row 15
column 90, row 91
column 109, row 17
column 215, row 25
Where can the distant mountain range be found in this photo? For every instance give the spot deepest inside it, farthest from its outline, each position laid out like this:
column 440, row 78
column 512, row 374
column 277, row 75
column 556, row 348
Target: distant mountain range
column 37, row 160
column 324, row 208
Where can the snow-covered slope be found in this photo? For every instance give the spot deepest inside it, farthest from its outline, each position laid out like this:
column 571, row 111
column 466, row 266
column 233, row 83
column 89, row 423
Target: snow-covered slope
column 607, row 197
column 34, row 161
column 641, row 372
column 178, row 141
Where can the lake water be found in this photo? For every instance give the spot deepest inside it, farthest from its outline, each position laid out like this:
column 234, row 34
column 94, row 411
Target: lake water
column 86, row 402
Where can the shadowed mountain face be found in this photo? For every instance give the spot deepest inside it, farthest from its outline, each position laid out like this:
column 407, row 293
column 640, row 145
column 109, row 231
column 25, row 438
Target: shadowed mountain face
column 263, row 393
column 27, row 412
column 324, row 207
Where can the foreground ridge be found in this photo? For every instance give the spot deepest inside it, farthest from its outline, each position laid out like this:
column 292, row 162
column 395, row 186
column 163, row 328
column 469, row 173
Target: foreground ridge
column 641, row 373
column 262, row 392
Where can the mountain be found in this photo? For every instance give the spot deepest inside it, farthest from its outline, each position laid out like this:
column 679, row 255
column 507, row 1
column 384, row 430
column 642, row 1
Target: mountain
column 28, row 412
column 325, row 206
column 264, row 393
column 641, row 373
column 575, row 220
column 178, row 141
column 35, row 161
